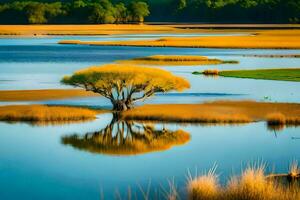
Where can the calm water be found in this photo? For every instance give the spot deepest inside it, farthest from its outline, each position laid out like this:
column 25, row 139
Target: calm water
column 74, row 162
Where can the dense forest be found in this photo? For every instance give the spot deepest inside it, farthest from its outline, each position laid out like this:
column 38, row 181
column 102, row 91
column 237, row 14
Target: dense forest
column 128, row 11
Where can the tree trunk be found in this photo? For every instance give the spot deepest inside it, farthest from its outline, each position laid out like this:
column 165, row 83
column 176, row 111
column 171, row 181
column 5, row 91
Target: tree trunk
column 120, row 105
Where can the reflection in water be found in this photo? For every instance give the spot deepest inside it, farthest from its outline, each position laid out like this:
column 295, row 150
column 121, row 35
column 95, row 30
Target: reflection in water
column 127, row 138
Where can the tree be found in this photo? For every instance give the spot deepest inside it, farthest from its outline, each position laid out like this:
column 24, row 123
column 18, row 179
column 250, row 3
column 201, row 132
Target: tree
column 139, row 10
column 120, row 13
column 125, row 85
column 36, row 13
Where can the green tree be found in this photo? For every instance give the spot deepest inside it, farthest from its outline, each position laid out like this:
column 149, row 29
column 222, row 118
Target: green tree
column 125, row 85
column 120, row 13
column 139, row 10
column 36, row 13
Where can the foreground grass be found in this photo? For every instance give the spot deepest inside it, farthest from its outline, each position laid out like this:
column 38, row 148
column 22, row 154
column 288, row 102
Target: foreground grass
column 39, row 95
column 41, row 113
column 215, row 112
column 175, row 60
column 253, row 184
column 268, row 74
column 264, row 39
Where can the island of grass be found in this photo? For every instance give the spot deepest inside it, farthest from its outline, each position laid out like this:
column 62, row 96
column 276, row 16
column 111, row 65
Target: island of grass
column 264, row 39
column 167, row 60
column 218, row 112
column 290, row 74
column 268, row 74
column 42, row 114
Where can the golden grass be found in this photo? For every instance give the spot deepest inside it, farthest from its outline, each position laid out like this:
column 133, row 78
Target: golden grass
column 278, row 118
column 253, row 184
column 174, row 60
column 103, row 29
column 264, row 39
column 45, row 94
column 42, row 113
column 204, row 187
column 213, row 112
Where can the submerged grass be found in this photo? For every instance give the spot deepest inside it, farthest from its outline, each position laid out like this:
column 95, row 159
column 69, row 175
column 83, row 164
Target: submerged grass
column 292, row 74
column 176, row 60
column 41, row 113
column 264, row 39
column 215, row 112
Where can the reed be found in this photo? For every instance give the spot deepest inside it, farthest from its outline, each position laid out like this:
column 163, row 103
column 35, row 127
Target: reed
column 252, row 184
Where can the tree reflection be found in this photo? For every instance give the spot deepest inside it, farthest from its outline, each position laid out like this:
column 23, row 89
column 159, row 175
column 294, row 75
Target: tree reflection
column 127, row 138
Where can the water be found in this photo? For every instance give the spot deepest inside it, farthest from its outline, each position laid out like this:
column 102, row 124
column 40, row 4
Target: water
column 37, row 163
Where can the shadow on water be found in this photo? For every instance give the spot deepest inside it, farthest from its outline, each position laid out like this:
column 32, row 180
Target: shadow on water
column 127, row 138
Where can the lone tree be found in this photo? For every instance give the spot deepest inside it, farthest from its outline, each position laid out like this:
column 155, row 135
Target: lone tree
column 124, row 85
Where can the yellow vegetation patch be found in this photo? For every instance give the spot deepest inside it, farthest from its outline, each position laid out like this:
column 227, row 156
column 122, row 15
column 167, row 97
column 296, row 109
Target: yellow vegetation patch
column 41, row 113
column 267, row 39
column 39, row 95
column 98, row 29
column 173, row 60
column 213, row 112
column 253, row 184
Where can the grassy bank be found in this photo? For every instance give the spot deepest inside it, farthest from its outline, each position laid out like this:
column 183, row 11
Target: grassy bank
column 166, row 60
column 264, row 39
column 252, row 184
column 215, row 112
column 103, row 29
column 41, row 113
column 268, row 74
column 45, row 94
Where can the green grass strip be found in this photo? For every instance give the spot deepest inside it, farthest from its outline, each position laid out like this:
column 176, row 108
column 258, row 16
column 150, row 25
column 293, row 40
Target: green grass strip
column 267, row 74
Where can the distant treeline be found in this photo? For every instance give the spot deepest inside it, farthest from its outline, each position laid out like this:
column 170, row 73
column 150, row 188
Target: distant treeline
column 78, row 11
column 129, row 11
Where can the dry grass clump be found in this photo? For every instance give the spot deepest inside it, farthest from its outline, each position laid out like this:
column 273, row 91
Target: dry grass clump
column 175, row 60
column 39, row 95
column 204, row 187
column 211, row 72
column 281, row 119
column 214, row 112
column 41, row 113
column 253, row 184
column 264, row 39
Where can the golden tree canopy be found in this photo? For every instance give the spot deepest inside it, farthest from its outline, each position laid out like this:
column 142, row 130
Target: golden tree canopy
column 126, row 84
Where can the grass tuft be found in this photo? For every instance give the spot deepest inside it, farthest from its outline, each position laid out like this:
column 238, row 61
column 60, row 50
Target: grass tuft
column 253, row 184
column 204, row 187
